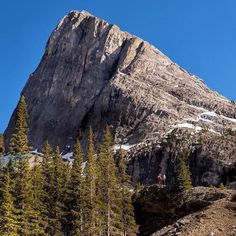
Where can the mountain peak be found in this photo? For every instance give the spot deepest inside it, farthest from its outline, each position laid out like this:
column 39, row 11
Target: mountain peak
column 94, row 74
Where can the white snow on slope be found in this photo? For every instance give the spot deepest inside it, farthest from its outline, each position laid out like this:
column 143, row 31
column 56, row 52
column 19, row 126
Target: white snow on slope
column 188, row 126
column 227, row 118
column 209, row 113
column 212, row 114
column 68, row 156
column 125, row 147
column 215, row 132
column 36, row 152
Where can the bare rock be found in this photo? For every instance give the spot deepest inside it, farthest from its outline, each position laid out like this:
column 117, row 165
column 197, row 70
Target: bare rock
column 94, row 74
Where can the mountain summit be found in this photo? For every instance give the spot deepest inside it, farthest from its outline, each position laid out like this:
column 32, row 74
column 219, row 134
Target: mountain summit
column 94, row 74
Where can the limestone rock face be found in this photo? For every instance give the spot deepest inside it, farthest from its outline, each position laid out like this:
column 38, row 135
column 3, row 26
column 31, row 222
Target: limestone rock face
column 93, row 74
column 211, row 158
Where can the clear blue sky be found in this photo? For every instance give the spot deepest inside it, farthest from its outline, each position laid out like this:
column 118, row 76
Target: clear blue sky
column 198, row 35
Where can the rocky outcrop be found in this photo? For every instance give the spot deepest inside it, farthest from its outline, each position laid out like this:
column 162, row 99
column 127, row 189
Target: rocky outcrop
column 163, row 211
column 211, row 158
column 94, row 74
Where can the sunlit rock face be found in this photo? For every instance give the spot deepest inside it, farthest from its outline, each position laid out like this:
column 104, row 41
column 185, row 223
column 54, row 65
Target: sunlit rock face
column 94, row 74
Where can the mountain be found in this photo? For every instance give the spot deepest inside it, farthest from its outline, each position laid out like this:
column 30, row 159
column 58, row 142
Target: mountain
column 94, row 74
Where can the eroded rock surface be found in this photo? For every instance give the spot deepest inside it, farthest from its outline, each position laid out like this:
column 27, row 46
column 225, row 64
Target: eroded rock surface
column 211, row 158
column 93, row 74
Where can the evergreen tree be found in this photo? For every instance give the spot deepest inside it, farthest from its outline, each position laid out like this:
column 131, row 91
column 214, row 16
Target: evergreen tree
column 12, row 168
column 2, row 145
column 90, row 196
column 47, row 188
column 56, row 190
column 47, row 165
column 19, row 139
column 183, row 174
column 38, row 203
column 109, row 191
column 76, row 193
column 28, row 216
column 65, row 197
column 1, row 179
column 2, row 151
column 8, row 217
column 127, row 210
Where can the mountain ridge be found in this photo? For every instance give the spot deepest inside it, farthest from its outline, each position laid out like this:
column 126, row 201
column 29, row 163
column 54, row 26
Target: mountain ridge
column 94, row 74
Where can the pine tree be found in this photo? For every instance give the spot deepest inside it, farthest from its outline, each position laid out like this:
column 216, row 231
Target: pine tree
column 12, row 168
column 76, row 193
column 1, row 179
column 8, row 217
column 64, row 197
column 47, row 165
column 38, row 203
column 129, row 226
column 28, row 216
column 19, row 139
column 183, row 174
column 56, row 190
column 2, row 145
column 47, row 188
column 90, row 196
column 109, row 191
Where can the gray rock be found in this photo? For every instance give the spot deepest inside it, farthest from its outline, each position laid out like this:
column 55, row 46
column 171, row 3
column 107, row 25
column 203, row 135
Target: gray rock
column 94, row 74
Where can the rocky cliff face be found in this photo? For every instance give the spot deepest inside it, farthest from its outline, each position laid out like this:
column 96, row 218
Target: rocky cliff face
column 211, row 158
column 93, row 74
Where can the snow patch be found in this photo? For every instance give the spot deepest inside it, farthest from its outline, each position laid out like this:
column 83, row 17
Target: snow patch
column 36, row 152
column 68, row 156
column 209, row 113
column 229, row 119
column 185, row 125
column 212, row 114
column 213, row 131
column 188, row 126
column 125, row 147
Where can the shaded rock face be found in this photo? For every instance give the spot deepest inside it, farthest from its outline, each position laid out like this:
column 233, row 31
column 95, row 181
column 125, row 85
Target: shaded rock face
column 93, row 74
column 158, row 207
column 211, row 158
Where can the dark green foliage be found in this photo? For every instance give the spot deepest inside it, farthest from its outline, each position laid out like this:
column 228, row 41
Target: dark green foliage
column 28, row 214
column 90, row 196
column 43, row 195
column 8, row 217
column 127, row 211
column 19, row 139
column 56, row 192
column 2, row 146
column 38, row 194
column 138, row 188
column 47, row 173
column 183, row 174
column 221, row 185
column 109, row 189
column 76, row 201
